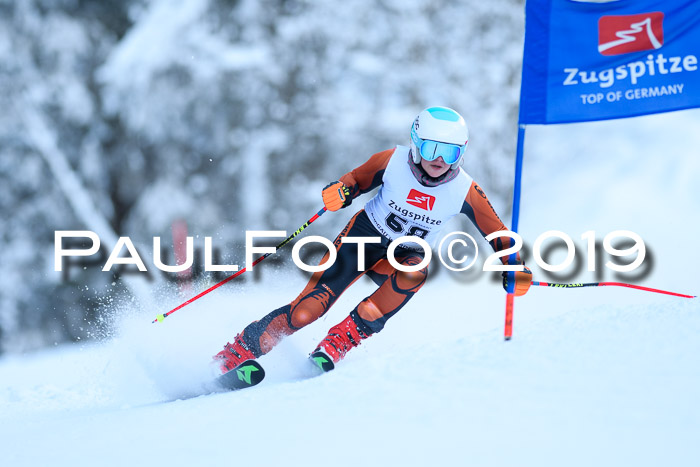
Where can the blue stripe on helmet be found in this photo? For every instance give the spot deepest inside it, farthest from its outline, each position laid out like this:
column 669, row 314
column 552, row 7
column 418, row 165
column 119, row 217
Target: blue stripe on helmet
column 443, row 113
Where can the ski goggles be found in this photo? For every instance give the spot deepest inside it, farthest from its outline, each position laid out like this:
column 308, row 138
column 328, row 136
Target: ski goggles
column 431, row 150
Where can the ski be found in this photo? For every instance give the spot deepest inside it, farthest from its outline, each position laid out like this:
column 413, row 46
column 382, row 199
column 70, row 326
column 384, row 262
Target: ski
column 247, row 374
column 321, row 360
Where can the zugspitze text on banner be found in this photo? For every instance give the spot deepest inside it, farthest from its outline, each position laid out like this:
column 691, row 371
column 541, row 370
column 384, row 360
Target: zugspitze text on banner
column 593, row 61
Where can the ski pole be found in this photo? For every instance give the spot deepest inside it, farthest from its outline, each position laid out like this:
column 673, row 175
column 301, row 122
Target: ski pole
column 602, row 284
column 287, row 240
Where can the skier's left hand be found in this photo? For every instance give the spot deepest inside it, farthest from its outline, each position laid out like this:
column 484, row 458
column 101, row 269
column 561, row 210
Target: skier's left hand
column 336, row 196
column 517, row 282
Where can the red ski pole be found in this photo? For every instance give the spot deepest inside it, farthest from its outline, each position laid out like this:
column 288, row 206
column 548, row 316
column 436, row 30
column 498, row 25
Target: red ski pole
column 238, row 273
column 603, row 284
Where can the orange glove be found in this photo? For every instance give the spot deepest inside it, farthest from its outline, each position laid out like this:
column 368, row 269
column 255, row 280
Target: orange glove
column 517, row 282
column 335, row 196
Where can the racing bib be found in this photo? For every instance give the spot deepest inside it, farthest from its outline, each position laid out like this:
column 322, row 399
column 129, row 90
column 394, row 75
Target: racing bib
column 403, row 206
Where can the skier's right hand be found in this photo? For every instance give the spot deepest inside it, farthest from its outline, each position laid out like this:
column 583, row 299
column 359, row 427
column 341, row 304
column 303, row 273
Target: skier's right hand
column 517, row 282
column 335, row 196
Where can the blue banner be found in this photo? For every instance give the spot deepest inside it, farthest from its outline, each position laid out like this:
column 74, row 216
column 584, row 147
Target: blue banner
column 595, row 60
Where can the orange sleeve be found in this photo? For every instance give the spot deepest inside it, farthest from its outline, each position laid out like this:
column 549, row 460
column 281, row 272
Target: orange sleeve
column 367, row 176
column 480, row 211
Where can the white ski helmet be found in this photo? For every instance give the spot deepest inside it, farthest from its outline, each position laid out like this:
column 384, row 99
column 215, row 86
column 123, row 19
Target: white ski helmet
column 439, row 132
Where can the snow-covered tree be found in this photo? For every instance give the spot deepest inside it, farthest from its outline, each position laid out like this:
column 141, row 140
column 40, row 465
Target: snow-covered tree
column 229, row 115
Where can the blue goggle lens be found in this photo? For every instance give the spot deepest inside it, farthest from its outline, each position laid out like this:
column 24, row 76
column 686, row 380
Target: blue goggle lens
column 431, row 150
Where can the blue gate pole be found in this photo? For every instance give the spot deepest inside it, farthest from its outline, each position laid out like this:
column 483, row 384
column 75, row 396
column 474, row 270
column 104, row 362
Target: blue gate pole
column 518, row 175
column 508, row 330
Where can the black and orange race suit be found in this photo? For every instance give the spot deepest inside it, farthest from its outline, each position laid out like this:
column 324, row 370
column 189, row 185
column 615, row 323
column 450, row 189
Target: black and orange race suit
column 395, row 287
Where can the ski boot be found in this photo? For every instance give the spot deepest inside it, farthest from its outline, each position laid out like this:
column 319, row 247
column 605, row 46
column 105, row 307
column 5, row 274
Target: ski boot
column 237, row 366
column 233, row 354
column 340, row 339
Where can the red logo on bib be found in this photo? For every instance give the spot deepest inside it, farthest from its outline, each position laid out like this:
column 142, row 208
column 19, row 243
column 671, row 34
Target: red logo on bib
column 420, row 200
column 630, row 33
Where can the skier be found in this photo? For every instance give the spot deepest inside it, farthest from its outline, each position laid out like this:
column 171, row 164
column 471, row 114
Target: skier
column 421, row 187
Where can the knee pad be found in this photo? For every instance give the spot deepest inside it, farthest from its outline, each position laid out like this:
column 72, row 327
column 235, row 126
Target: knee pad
column 410, row 281
column 310, row 308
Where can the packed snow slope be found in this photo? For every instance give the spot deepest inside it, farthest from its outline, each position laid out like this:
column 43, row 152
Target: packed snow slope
column 598, row 376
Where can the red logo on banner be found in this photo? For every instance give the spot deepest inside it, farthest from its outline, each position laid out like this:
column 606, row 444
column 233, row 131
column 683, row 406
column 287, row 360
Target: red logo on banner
column 420, row 200
column 630, row 33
